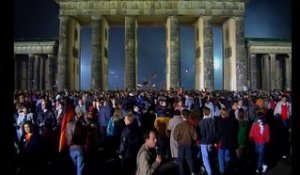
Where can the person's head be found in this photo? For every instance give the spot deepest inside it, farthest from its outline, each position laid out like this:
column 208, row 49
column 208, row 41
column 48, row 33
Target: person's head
column 224, row 113
column 260, row 115
column 240, row 102
column 79, row 114
column 59, row 105
column 241, row 114
column 117, row 114
column 234, row 105
column 283, row 99
column 94, row 102
column 44, row 104
column 206, row 111
column 185, row 113
column 128, row 118
column 18, row 106
column 27, row 127
column 98, row 103
column 150, row 138
column 136, row 108
column 80, row 101
column 177, row 112
column 21, row 98
column 22, row 110
column 179, row 102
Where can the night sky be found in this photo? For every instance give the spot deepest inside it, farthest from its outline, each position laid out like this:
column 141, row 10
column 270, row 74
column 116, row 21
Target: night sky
column 39, row 19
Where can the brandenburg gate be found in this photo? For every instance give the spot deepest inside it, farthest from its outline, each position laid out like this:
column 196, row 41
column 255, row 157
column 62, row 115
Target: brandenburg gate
column 203, row 15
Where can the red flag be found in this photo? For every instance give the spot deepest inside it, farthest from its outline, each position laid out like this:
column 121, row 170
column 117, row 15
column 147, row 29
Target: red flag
column 69, row 114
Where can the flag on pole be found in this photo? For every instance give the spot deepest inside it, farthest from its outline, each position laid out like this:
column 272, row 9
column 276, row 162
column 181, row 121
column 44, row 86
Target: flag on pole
column 145, row 83
column 154, row 75
column 69, row 114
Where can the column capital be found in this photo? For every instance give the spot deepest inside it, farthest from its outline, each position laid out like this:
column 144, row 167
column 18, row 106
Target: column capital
column 96, row 18
column 265, row 56
column 30, row 55
column 63, row 18
column 208, row 17
column 238, row 18
column 36, row 56
column 50, row 55
column 272, row 55
column 133, row 17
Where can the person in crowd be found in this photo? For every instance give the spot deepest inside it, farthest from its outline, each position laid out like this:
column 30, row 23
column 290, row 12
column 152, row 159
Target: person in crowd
column 185, row 134
column 260, row 134
column 225, row 140
column 104, row 114
column 46, row 122
column 76, row 140
column 129, row 145
column 147, row 160
column 171, row 126
column 114, row 130
column 242, row 132
column 30, row 149
column 207, row 138
column 282, row 113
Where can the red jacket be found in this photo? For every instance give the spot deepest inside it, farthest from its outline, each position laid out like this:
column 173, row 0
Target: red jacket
column 256, row 136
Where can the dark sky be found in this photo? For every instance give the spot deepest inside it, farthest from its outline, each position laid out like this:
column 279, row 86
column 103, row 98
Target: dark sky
column 39, row 19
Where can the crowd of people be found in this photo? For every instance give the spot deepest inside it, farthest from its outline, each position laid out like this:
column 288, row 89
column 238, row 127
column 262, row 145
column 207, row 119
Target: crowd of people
column 150, row 131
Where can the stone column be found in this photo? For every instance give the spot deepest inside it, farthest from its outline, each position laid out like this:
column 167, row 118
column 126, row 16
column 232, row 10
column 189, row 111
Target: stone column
column 63, row 54
column 42, row 72
column 253, row 72
column 288, row 73
column 199, row 60
column 24, row 74
column 229, row 61
column 278, row 76
column 265, row 72
column 273, row 71
column 104, row 54
column 235, row 60
column 36, row 72
column 208, row 55
column 130, row 52
column 173, row 53
column 96, row 53
column 30, row 71
column 49, row 73
column 241, row 60
column 16, row 72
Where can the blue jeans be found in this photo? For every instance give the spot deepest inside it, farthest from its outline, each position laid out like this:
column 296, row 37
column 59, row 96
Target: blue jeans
column 260, row 151
column 286, row 123
column 205, row 149
column 76, row 154
column 224, row 158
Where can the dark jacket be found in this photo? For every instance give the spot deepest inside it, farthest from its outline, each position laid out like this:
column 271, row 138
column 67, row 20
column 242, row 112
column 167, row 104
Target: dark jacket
column 227, row 133
column 129, row 143
column 207, row 131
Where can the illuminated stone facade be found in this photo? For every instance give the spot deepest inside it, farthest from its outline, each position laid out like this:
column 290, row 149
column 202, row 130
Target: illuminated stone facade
column 240, row 58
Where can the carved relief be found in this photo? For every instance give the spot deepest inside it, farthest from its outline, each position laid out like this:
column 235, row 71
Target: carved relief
column 226, row 34
column 198, row 52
